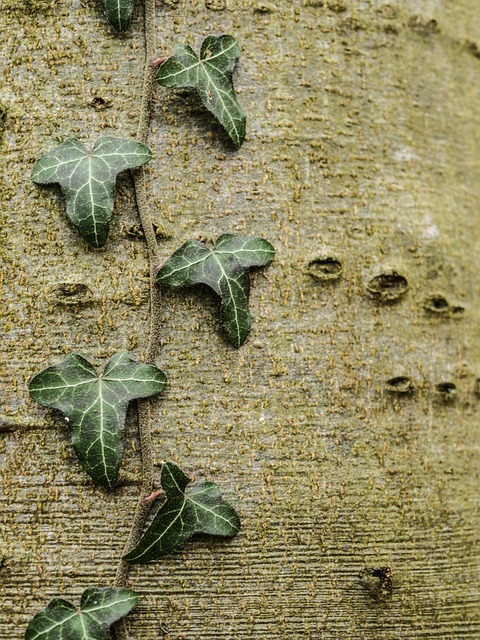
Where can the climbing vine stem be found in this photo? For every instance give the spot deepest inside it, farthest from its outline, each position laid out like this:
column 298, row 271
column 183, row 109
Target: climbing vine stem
column 144, row 406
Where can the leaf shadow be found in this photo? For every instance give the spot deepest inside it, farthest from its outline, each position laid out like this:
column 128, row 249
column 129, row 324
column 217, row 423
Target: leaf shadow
column 57, row 204
column 72, row 464
column 212, row 542
column 199, row 300
column 186, row 102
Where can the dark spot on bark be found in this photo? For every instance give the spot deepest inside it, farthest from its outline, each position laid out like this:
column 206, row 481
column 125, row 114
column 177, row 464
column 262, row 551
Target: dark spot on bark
column 439, row 305
column 216, row 5
column 446, row 390
column 69, row 293
column 473, row 48
column 402, row 385
column 377, row 581
column 326, row 269
column 263, row 7
column 388, row 287
column 476, row 388
column 391, row 29
column 436, row 304
column 3, row 117
column 456, row 311
column 423, row 26
column 99, row 103
column 6, row 427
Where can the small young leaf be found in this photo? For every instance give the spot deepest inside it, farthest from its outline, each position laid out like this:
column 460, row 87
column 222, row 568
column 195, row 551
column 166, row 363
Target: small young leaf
column 88, row 179
column 225, row 270
column 95, row 407
column 201, row 509
column 211, row 76
column 119, row 13
column 99, row 609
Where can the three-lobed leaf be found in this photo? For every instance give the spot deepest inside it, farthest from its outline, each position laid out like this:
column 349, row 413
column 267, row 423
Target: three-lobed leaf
column 224, row 269
column 99, row 609
column 199, row 509
column 119, row 13
column 88, row 179
column 95, row 406
column 211, row 76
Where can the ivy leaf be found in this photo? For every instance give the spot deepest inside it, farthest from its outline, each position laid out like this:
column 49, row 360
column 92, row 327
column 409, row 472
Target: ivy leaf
column 201, row 509
column 99, row 609
column 225, row 270
column 88, row 179
column 211, row 76
column 119, row 13
column 95, row 406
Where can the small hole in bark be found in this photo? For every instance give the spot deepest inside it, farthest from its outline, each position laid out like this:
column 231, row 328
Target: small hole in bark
column 439, row 305
column 69, row 293
column 402, row 385
column 100, row 103
column 377, row 582
column 436, row 304
column 325, row 269
column 388, row 287
column 447, row 390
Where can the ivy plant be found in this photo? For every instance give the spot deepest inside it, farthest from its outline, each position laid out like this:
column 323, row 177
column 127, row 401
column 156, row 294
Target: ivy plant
column 199, row 509
column 88, row 179
column 211, row 76
column 119, row 13
column 95, row 406
column 99, row 609
column 225, row 269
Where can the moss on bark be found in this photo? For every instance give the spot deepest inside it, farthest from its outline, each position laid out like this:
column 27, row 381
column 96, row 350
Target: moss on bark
column 363, row 146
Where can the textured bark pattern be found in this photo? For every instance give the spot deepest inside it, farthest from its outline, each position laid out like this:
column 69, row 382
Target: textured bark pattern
column 363, row 145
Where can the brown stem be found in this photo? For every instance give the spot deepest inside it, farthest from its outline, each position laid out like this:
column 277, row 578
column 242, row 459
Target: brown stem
column 144, row 407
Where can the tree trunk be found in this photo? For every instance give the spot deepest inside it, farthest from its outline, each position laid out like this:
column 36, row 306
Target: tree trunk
column 345, row 431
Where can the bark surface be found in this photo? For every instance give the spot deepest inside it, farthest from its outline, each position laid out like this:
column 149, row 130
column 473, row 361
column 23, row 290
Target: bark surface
column 360, row 504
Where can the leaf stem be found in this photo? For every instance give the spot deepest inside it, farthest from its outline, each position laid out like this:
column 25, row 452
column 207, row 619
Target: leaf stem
column 144, row 406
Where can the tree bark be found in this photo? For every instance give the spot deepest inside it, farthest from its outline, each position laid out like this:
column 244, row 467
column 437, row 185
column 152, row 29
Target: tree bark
column 358, row 491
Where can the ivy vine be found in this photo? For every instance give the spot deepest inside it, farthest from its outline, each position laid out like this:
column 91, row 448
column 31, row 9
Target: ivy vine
column 95, row 405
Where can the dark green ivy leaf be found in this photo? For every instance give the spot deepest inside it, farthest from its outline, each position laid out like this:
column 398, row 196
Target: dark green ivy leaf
column 225, row 270
column 211, row 76
column 119, row 12
column 95, row 407
column 201, row 509
column 99, row 609
column 88, row 179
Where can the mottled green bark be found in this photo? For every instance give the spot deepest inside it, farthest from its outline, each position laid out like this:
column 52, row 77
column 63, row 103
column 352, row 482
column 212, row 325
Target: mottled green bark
column 362, row 145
